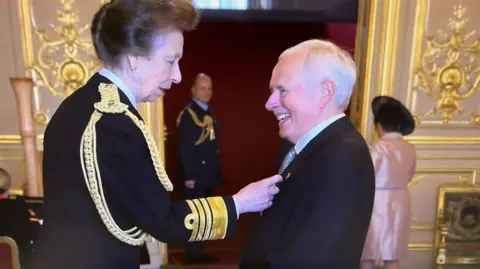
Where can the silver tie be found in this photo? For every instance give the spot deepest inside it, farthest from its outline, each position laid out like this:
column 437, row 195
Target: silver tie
column 287, row 160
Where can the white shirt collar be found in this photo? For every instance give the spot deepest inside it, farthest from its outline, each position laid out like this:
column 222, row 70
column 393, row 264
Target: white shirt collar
column 306, row 138
column 201, row 104
column 124, row 88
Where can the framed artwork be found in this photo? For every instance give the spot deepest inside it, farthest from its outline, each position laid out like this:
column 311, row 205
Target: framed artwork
column 457, row 233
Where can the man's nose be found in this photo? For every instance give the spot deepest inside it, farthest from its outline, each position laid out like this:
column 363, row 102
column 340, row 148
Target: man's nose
column 272, row 101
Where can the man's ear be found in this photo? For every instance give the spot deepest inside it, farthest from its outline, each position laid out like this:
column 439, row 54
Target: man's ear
column 327, row 91
column 132, row 62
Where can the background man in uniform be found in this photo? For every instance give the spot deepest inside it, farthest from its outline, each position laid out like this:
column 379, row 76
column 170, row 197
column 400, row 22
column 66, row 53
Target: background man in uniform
column 199, row 153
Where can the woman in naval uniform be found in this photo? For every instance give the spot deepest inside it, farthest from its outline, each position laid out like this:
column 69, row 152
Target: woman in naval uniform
column 105, row 186
column 394, row 161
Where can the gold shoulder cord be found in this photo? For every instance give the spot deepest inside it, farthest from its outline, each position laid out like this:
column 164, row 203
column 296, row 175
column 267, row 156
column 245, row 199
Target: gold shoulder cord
column 208, row 217
column 208, row 130
column 110, row 103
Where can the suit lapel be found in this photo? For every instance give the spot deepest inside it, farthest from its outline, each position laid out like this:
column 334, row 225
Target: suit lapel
column 323, row 138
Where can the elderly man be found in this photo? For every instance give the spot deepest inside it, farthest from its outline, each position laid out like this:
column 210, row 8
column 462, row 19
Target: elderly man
column 199, row 153
column 320, row 217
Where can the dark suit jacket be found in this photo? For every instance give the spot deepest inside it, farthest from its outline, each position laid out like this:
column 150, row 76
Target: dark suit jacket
column 73, row 234
column 321, row 215
column 199, row 162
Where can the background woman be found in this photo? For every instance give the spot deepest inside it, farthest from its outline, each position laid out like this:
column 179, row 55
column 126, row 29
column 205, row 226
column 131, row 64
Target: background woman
column 394, row 161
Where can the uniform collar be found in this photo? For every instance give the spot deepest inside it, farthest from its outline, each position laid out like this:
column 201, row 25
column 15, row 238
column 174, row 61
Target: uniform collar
column 120, row 84
column 201, row 104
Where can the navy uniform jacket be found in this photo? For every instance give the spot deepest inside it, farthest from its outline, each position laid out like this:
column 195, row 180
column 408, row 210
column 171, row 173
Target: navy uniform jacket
column 74, row 234
column 198, row 146
column 320, row 217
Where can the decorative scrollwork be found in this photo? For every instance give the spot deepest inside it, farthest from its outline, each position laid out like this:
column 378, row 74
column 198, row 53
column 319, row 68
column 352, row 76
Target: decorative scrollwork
column 449, row 70
column 65, row 60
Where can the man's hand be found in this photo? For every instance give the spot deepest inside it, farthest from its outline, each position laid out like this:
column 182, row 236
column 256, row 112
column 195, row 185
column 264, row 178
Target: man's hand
column 190, row 184
column 257, row 196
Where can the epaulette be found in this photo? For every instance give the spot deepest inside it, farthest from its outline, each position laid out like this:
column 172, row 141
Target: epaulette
column 110, row 104
column 179, row 118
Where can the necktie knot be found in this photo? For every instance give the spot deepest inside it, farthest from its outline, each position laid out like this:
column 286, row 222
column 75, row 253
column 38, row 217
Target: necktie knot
column 288, row 159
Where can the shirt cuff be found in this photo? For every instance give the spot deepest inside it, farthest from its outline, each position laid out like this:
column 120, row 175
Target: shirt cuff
column 236, row 208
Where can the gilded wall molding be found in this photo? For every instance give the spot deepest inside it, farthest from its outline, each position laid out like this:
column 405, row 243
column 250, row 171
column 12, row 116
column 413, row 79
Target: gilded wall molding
column 64, row 58
column 447, row 71
column 16, row 139
column 375, row 56
column 430, row 139
column 420, row 246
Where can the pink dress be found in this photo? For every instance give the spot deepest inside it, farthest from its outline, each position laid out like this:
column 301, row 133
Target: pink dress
column 394, row 160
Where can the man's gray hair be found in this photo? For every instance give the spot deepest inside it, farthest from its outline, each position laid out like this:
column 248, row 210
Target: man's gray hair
column 324, row 60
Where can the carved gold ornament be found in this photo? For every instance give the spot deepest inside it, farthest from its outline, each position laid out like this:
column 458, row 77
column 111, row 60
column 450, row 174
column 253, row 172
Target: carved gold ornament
column 65, row 60
column 60, row 57
column 449, row 70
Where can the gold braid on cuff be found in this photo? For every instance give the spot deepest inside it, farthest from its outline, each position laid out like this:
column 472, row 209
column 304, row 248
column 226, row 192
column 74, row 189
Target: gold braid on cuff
column 208, row 220
column 110, row 103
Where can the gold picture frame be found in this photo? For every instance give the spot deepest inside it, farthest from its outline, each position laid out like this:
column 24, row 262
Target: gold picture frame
column 457, row 227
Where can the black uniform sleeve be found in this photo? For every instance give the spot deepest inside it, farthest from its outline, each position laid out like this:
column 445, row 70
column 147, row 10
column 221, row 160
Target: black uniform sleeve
column 187, row 135
column 129, row 180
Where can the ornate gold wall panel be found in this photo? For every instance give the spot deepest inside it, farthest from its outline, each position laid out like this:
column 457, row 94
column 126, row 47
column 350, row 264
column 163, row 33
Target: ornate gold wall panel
column 59, row 56
column 58, row 52
column 445, row 73
column 414, row 54
column 402, row 52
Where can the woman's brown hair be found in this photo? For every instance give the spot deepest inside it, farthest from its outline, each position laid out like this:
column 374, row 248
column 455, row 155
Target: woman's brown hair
column 128, row 26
